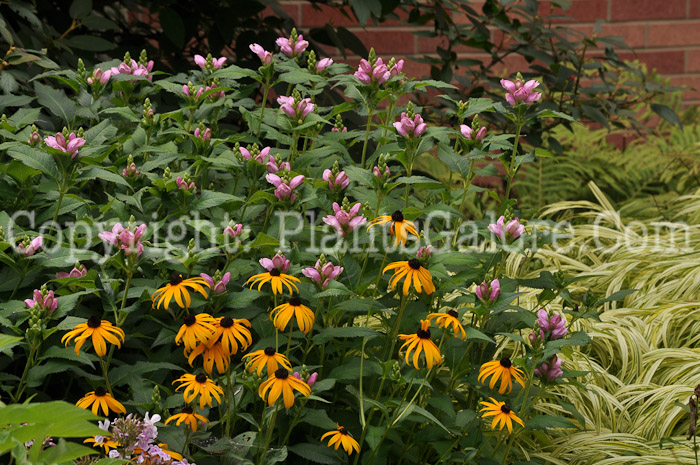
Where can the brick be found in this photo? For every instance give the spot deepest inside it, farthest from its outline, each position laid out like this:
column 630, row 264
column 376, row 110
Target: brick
column 692, row 61
column 674, row 33
column 415, row 70
column 692, row 81
column 323, row 14
column 580, row 11
column 387, row 41
column 292, row 9
column 694, row 11
column 666, row 61
column 622, row 10
column 633, row 34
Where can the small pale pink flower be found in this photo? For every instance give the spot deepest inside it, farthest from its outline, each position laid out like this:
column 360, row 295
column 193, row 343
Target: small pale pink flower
column 220, row 286
column 345, row 222
column 296, row 110
column 44, row 302
column 70, row 146
column 511, row 231
column 470, row 134
column 488, row 292
column 397, row 68
column 336, row 183
column 292, row 49
column 202, row 62
column 279, row 262
column 204, row 135
column 322, row 275
column 182, row 184
column 550, row 371
column 408, row 127
column 99, row 76
column 77, row 272
column 334, row 129
column 274, row 167
column 377, row 172
column 424, row 251
column 521, row 92
column 32, row 248
column 125, row 239
column 131, row 171
column 551, row 327
column 264, row 55
column 283, row 190
column 323, row 64
column 261, row 157
column 234, row 231
column 368, row 74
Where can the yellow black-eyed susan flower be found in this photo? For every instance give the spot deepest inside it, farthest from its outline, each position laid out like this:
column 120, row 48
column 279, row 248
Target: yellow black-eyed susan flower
column 189, row 417
column 105, row 442
column 400, row 227
column 281, row 383
column 173, row 455
column 98, row 330
column 503, row 416
column 177, row 288
column 421, row 342
column 276, row 279
column 341, row 437
column 195, row 329
column 281, row 315
column 201, row 386
column 231, row 332
column 266, row 358
column 211, row 355
column 504, row 370
column 101, row 398
column 414, row 273
column 451, row 318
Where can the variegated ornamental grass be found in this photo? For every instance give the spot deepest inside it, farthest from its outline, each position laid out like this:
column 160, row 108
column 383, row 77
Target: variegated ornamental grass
column 292, row 287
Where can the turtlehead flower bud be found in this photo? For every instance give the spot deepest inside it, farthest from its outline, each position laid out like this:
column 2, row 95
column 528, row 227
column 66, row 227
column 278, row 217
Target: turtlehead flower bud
column 519, row 91
column 218, row 282
column 78, row 271
column 346, row 219
column 34, row 137
column 209, row 62
column 204, row 135
column 292, row 46
column 233, row 230
column 488, row 292
column 323, row 64
column 265, row 56
column 29, row 247
column 410, row 126
column 551, row 370
column 185, row 183
column 551, row 327
column 321, row 273
column 470, row 134
column 425, row 251
column 167, row 175
column 372, row 71
column 507, row 232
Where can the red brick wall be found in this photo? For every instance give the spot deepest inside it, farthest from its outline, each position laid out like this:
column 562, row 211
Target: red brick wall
column 665, row 34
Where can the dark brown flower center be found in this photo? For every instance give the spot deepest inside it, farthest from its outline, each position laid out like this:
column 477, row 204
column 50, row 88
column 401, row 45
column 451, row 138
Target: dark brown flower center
column 175, row 279
column 414, row 263
column 453, row 314
column 281, row 374
column 342, row 430
column 295, row 301
column 275, row 272
column 506, row 363
column 269, row 351
column 94, row 321
column 397, row 216
column 505, row 409
column 100, row 391
column 226, row 322
column 187, row 410
column 423, row 333
column 190, row 320
column 201, row 378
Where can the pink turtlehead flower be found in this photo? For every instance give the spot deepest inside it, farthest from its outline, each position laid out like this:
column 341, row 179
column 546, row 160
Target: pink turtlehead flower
column 284, row 191
column 379, row 174
column 77, row 272
column 312, row 378
column 424, row 251
column 131, row 171
column 264, row 55
column 323, row 64
column 338, row 182
column 215, row 95
column 127, row 240
column 488, row 292
column 202, row 62
column 294, row 110
column 279, row 262
column 410, row 127
column 521, row 92
column 470, row 134
column 99, row 76
column 32, row 248
column 197, row 94
column 512, row 230
column 292, row 49
column 48, row 302
column 234, row 231
column 397, row 68
column 182, row 184
column 368, row 74
column 343, row 221
column 322, row 275
column 204, row 135
column 261, row 157
column 550, row 371
column 334, row 129
column 274, row 167
column 134, row 68
column 70, row 146
column 219, row 287
column 551, row 328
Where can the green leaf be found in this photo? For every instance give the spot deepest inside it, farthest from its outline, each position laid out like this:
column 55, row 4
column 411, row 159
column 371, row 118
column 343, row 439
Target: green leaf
column 350, row 371
column 210, row 199
column 263, row 240
column 64, row 452
column 327, row 334
column 474, row 333
column 56, row 102
column 7, row 342
column 90, row 43
column 543, row 422
column 80, row 8
column 93, row 172
column 556, row 114
column 315, row 453
column 667, row 114
column 132, row 374
column 36, row 159
column 617, row 296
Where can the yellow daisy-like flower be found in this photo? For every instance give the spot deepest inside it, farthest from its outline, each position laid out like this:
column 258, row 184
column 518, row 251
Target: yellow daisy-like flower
column 276, row 279
column 399, row 226
column 340, row 437
column 282, row 384
column 212, row 355
column 504, row 370
column 232, row 331
column 201, row 386
column 107, row 443
column 414, row 273
column 421, row 342
column 177, row 288
column 266, row 358
column 502, row 414
column 196, row 329
column 450, row 318
column 281, row 315
column 174, row 455
column 98, row 330
column 100, row 398
column 190, row 417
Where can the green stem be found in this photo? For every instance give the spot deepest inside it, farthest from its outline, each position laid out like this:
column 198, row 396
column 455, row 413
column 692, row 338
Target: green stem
column 364, row 145
column 27, row 366
column 262, row 108
column 103, row 365
column 268, row 434
column 511, row 168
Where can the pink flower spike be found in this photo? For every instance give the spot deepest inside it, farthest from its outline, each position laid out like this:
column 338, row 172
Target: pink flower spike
column 200, row 61
column 207, row 278
column 220, row 287
column 323, row 64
